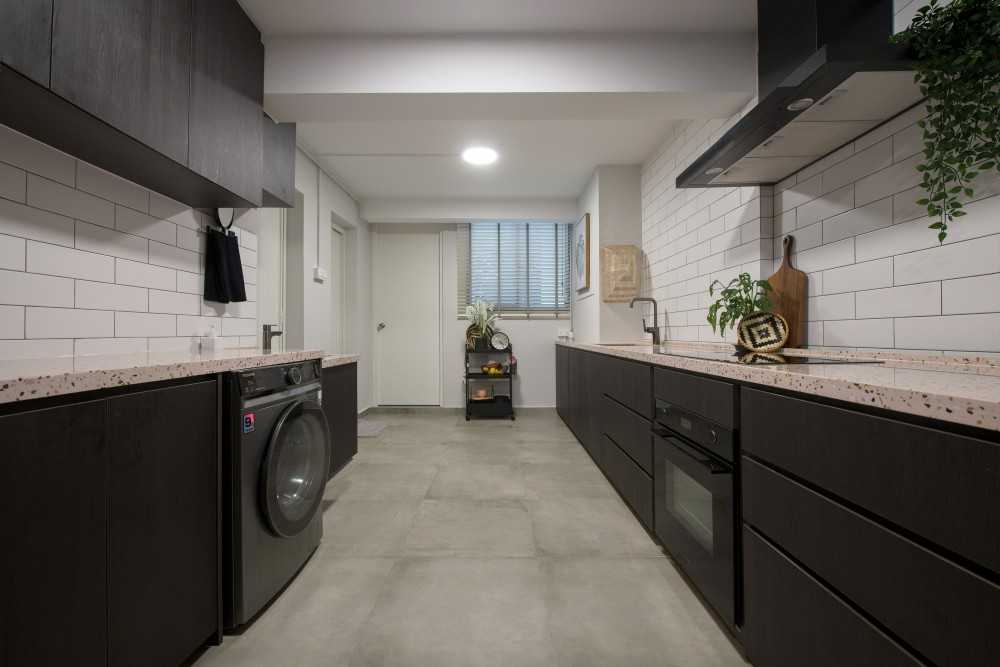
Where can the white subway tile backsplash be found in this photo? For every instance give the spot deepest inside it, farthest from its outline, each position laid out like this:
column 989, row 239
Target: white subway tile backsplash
column 140, row 224
column 143, row 325
column 11, row 253
column 174, row 257
column 164, row 208
column 128, row 272
column 174, row 302
column 190, row 239
column 70, row 202
column 84, row 346
column 192, row 283
column 858, row 221
column 111, row 187
column 11, row 322
column 13, row 182
column 877, row 274
column 905, row 301
column 826, row 206
column 862, row 163
column 858, row 333
column 196, row 325
column 36, row 157
column 56, row 260
column 105, row 296
column 38, row 349
column 856, row 277
column 889, row 181
column 94, row 238
column 68, row 323
column 28, row 289
column 954, row 260
column 30, row 223
column 979, row 294
column 831, row 307
column 969, row 333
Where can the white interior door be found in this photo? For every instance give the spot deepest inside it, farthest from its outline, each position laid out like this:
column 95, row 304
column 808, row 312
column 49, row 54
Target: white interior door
column 407, row 314
column 338, row 275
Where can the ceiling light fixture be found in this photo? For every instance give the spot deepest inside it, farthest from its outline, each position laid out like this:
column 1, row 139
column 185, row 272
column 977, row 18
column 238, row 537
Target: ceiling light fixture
column 479, row 156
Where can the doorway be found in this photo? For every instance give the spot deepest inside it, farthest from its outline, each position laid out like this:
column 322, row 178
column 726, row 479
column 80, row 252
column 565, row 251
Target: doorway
column 272, row 273
column 338, row 289
column 407, row 313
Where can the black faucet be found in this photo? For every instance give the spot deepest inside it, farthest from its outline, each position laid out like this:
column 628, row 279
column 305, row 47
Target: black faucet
column 655, row 329
column 269, row 333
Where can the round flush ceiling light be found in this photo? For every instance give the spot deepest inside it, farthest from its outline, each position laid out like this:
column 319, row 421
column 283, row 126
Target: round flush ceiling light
column 479, row 156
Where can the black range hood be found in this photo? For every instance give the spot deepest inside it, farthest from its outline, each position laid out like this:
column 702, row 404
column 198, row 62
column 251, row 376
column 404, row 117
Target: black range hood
column 826, row 74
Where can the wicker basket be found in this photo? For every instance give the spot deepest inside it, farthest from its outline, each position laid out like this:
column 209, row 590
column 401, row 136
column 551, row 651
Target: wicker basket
column 762, row 332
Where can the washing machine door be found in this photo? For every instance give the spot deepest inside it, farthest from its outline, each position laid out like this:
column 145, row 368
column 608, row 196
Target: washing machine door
column 295, row 468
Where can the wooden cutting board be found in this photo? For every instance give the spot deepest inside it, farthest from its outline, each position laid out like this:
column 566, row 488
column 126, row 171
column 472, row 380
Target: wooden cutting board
column 788, row 296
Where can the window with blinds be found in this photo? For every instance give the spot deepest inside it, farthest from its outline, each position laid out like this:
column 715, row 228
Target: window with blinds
column 523, row 267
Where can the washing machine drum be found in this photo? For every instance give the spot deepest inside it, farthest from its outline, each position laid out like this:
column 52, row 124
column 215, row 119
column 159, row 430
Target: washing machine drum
column 295, row 468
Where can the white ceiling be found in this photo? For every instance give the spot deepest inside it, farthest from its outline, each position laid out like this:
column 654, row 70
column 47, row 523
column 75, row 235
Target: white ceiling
column 312, row 17
column 420, row 159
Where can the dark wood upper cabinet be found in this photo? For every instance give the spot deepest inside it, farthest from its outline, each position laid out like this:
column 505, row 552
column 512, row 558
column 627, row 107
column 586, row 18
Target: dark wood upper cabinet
column 26, row 37
column 53, row 607
column 227, row 89
column 127, row 62
column 279, row 163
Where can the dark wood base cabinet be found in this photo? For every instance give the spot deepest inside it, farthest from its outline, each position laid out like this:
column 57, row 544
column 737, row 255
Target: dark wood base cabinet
column 340, row 405
column 111, row 520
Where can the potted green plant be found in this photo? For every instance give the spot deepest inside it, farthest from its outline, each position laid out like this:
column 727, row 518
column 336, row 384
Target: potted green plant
column 957, row 51
column 743, row 304
column 482, row 316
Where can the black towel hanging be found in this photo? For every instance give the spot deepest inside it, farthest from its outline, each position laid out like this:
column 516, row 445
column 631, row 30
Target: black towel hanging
column 223, row 269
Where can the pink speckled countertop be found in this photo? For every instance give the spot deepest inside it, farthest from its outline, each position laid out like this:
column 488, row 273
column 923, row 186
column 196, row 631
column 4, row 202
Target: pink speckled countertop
column 25, row 379
column 962, row 390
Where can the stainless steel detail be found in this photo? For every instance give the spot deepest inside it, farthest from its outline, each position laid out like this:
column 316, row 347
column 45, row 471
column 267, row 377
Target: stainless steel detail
column 268, row 334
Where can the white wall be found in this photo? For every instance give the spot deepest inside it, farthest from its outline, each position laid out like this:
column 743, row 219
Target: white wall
column 93, row 264
column 613, row 200
column 325, row 202
column 533, row 341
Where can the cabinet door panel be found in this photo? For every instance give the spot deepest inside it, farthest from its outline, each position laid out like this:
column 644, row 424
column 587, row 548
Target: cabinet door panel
column 53, row 609
column 631, row 481
column 712, row 399
column 791, row 620
column 227, row 89
column 26, row 37
column 127, row 62
column 279, row 163
column 629, row 431
column 340, row 405
column 164, row 524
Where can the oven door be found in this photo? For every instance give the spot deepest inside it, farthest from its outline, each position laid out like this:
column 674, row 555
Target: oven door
column 693, row 512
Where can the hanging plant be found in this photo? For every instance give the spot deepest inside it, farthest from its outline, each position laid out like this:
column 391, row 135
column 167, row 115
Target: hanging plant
column 957, row 47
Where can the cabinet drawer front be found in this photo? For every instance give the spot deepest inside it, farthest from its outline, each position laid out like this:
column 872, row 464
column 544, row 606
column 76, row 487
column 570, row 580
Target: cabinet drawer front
column 712, row 399
column 938, row 485
column 943, row 611
column 628, row 382
column 632, row 482
column 629, row 431
column 791, row 620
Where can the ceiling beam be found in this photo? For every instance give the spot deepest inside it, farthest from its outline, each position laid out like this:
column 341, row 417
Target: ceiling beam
column 466, row 210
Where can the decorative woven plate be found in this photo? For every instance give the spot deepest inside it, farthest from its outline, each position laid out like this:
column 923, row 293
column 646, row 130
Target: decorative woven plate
column 762, row 332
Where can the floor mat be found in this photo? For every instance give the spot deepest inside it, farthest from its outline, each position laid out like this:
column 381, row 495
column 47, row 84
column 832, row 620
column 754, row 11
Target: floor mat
column 370, row 429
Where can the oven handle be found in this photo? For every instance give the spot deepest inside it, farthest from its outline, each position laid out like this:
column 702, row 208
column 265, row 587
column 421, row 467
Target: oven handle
column 706, row 462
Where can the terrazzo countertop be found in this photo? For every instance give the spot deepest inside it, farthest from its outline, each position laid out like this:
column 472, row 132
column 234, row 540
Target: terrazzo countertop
column 26, row 379
column 339, row 360
column 962, row 390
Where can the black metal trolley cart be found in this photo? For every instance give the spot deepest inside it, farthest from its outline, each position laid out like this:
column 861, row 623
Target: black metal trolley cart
column 492, row 405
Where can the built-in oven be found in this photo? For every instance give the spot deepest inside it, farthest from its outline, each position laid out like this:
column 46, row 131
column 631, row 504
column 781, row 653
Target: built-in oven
column 694, row 499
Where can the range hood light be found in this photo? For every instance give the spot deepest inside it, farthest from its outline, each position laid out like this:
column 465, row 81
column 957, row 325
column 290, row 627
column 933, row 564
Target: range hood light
column 801, row 104
column 714, row 171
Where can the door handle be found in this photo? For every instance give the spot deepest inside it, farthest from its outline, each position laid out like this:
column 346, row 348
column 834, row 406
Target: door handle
column 381, row 325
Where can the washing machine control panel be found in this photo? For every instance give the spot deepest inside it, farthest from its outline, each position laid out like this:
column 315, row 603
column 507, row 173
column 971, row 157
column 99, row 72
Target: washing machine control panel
column 293, row 375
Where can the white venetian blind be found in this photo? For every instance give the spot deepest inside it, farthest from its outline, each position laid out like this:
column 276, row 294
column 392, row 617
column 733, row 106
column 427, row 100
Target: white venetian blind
column 521, row 266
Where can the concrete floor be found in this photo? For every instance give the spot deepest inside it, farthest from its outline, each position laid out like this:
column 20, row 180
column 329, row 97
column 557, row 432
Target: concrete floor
column 485, row 543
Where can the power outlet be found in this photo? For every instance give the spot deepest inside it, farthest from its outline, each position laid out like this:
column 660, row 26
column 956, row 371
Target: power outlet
column 320, row 274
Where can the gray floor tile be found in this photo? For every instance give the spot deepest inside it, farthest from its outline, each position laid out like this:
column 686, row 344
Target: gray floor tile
column 630, row 612
column 471, row 528
column 476, row 481
column 566, row 480
column 367, row 527
column 588, row 527
column 382, row 481
column 461, row 613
